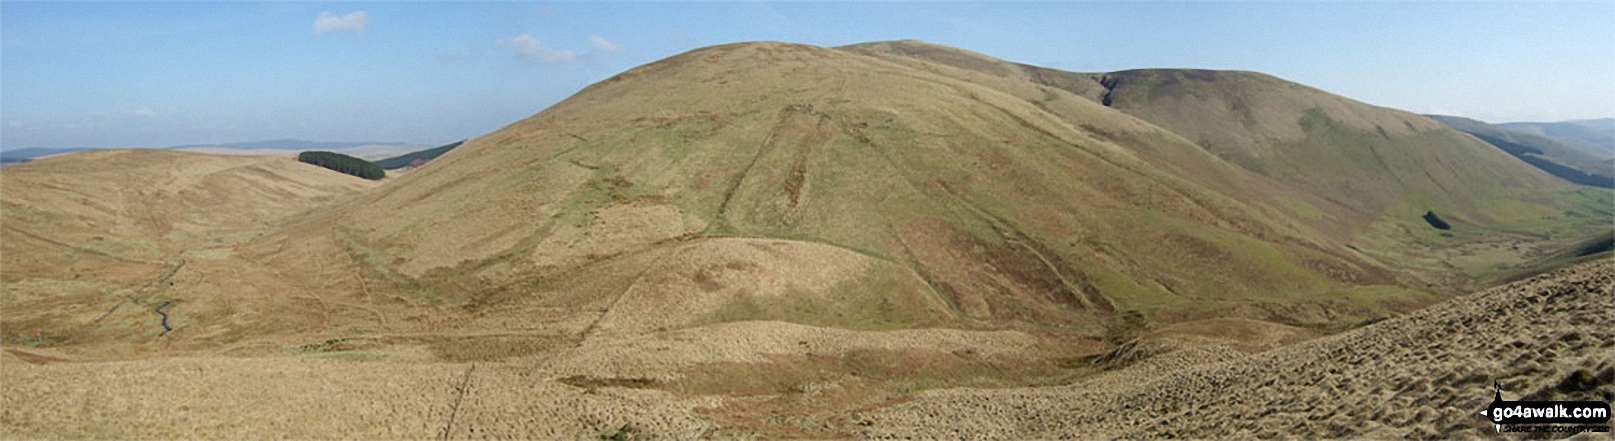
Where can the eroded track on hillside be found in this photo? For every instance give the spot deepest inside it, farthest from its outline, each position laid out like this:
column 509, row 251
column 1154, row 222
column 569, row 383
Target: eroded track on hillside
column 81, row 249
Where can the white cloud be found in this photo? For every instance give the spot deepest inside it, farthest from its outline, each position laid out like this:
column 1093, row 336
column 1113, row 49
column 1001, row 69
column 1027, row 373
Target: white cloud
column 15, row 124
column 527, row 47
column 354, row 22
column 144, row 113
column 603, row 45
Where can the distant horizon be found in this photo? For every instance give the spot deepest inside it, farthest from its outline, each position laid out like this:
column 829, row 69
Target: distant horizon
column 1547, row 122
column 163, row 74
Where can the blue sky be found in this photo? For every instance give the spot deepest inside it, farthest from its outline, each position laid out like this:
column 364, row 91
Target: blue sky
column 120, row 74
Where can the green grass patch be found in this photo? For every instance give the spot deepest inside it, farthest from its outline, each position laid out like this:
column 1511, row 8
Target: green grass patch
column 359, row 356
column 1301, row 208
column 1482, row 254
column 380, row 262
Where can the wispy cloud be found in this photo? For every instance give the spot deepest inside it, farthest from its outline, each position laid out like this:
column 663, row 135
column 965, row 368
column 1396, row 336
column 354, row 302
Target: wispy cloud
column 526, row 47
column 680, row 37
column 603, row 45
column 529, row 48
column 143, row 113
column 354, row 22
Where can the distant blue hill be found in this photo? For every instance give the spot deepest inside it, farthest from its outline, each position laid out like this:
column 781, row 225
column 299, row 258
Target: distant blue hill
column 25, row 155
column 288, row 144
column 1594, row 136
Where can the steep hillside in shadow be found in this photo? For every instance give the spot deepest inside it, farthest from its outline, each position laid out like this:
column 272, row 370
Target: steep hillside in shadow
column 1544, row 153
column 1371, row 159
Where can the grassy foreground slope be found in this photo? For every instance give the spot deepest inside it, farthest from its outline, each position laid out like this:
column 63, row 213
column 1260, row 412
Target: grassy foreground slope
column 1423, row 375
column 816, row 186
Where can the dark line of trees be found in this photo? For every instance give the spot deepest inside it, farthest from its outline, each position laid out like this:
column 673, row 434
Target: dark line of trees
column 1436, row 221
column 1533, row 156
column 1570, row 174
column 343, row 163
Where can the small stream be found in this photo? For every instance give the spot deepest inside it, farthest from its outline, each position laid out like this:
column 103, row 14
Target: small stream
column 159, row 311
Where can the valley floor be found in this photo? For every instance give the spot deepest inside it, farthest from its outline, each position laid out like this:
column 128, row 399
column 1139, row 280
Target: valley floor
column 1424, row 374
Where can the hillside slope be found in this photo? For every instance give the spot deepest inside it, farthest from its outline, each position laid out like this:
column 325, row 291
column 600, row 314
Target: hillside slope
column 160, row 200
column 1373, row 160
column 86, row 234
column 715, row 178
column 1367, row 159
column 1358, row 174
column 866, row 188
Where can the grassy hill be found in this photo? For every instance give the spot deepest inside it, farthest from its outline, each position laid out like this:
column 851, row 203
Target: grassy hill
column 1544, row 153
column 406, row 160
column 89, row 236
column 916, row 199
column 1358, row 174
column 1369, row 160
column 886, row 186
column 770, row 239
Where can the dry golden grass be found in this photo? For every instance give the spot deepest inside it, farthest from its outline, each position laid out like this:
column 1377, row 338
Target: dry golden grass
column 290, row 397
column 1420, row 375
